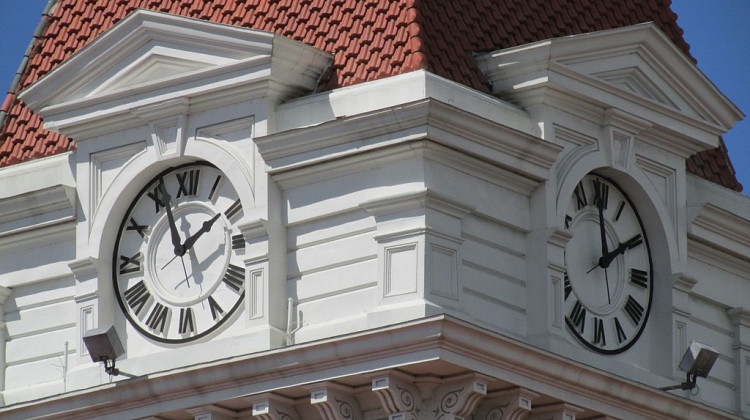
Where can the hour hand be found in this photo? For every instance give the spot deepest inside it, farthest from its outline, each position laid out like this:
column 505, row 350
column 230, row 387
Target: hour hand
column 179, row 249
column 607, row 259
column 205, row 227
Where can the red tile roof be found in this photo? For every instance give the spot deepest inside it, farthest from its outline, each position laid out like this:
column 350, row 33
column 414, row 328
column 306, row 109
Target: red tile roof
column 370, row 39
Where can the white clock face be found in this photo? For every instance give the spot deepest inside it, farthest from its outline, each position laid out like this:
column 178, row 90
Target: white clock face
column 608, row 280
column 176, row 269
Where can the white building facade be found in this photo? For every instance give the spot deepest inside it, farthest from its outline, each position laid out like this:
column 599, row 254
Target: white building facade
column 406, row 248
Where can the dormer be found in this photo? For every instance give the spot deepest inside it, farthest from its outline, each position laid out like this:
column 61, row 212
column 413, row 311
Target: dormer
column 152, row 58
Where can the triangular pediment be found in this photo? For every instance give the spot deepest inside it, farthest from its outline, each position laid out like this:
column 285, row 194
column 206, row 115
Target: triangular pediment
column 636, row 66
column 158, row 56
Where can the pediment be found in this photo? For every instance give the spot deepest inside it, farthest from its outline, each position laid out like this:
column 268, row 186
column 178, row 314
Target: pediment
column 636, row 66
column 151, row 56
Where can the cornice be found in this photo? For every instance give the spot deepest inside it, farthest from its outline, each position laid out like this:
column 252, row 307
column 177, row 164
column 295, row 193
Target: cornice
column 722, row 229
column 428, row 118
column 439, row 337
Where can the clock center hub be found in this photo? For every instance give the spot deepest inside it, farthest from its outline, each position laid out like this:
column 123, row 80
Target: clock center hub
column 189, row 278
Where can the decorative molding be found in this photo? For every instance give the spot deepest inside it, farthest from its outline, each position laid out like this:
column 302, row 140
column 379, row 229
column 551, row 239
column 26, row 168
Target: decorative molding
column 722, row 229
column 334, row 401
column 224, row 136
column 256, row 293
column 443, row 263
column 106, row 161
column 401, row 269
column 577, row 147
column 33, row 203
column 426, row 118
column 398, row 396
column 508, row 404
column 664, row 180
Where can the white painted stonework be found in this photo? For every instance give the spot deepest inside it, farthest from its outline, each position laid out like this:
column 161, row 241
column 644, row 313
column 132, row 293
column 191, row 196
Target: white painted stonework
column 404, row 239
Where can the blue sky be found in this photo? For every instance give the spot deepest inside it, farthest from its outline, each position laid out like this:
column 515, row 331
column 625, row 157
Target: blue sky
column 717, row 31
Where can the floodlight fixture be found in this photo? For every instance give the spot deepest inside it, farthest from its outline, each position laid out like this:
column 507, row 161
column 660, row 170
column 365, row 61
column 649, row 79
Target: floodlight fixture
column 697, row 362
column 104, row 345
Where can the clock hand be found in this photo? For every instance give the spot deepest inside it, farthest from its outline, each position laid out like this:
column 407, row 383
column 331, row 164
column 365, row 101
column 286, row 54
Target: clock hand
column 204, row 228
column 166, row 202
column 185, row 271
column 607, row 259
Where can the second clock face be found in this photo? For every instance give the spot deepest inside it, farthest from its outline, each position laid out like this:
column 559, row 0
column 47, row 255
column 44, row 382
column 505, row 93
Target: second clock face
column 608, row 279
column 176, row 269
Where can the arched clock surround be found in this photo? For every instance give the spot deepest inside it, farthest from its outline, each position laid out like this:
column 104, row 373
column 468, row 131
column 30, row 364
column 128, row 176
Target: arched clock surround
column 652, row 348
column 133, row 176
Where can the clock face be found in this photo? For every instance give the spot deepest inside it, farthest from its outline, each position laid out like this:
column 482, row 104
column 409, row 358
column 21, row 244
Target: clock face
column 608, row 279
column 176, row 269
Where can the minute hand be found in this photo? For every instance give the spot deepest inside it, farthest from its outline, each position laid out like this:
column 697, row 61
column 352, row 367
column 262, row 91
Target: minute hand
column 607, row 259
column 204, row 228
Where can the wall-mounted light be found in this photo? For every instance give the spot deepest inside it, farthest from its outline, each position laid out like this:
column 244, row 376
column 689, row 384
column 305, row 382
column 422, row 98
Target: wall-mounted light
column 104, row 345
column 697, row 361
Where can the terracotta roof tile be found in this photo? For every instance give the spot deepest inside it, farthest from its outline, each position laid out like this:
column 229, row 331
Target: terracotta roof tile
column 371, row 39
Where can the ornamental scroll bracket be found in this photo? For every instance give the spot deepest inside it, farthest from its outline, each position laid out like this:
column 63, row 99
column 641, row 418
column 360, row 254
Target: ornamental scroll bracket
column 398, row 396
column 508, row 404
column 458, row 398
column 334, row 401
